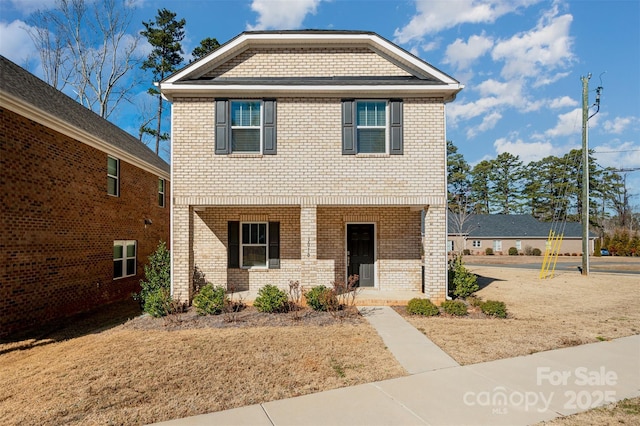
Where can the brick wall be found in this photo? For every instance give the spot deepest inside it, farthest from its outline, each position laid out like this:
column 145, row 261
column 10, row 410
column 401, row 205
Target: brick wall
column 308, row 62
column 58, row 224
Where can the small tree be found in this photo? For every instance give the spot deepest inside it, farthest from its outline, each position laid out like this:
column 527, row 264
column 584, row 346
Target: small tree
column 462, row 283
column 155, row 296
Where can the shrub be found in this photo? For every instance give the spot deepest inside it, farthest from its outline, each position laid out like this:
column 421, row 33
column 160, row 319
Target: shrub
column 210, row 300
column 462, row 283
column 528, row 250
column 513, row 251
column 536, row 252
column 425, row 307
column 474, row 301
column 466, row 252
column 494, row 308
column 271, row 299
column 488, row 251
column 454, row 307
column 155, row 295
column 320, row 298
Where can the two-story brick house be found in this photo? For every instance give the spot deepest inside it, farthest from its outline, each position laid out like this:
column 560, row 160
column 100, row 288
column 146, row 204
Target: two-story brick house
column 311, row 156
column 82, row 205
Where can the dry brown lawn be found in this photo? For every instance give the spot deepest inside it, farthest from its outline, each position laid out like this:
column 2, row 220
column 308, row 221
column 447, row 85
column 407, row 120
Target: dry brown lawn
column 129, row 375
column 625, row 412
column 548, row 314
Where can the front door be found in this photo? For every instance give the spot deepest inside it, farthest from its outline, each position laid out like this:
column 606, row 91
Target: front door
column 360, row 252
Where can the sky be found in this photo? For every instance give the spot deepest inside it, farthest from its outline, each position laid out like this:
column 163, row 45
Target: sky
column 521, row 62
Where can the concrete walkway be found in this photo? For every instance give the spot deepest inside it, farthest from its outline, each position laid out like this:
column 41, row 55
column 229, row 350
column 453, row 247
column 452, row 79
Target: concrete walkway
column 514, row 391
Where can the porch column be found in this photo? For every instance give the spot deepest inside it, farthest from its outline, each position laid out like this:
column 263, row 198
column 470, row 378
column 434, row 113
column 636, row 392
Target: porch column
column 182, row 253
column 435, row 252
column 309, row 245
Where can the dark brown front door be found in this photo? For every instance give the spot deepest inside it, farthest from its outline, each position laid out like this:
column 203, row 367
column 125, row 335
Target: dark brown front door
column 360, row 252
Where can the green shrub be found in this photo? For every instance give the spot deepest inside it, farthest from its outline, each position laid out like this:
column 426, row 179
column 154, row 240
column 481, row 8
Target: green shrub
column 425, row 307
column 321, row 298
column 155, row 295
column 271, row 299
column 489, row 251
column 494, row 308
column 536, row 252
column 454, row 307
column 513, row 251
column 462, row 283
column 466, row 252
column 474, row 301
column 210, row 300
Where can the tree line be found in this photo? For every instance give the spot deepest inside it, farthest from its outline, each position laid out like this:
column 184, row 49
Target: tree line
column 87, row 47
column 549, row 189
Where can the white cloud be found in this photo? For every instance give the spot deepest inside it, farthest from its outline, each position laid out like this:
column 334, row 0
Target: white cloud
column 489, row 121
column 281, row 14
column 563, row 102
column 568, row 124
column 434, row 16
column 617, row 154
column 15, row 43
column 527, row 151
column 26, row 7
column 532, row 54
column 617, row 125
column 462, row 54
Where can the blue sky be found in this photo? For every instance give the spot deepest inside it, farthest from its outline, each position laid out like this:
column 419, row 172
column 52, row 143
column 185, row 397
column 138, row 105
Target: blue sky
column 520, row 61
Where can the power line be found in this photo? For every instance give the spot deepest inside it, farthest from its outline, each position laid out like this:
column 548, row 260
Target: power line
column 610, row 152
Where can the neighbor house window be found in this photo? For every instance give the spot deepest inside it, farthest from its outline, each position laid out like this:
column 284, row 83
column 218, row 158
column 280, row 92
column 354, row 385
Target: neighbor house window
column 477, row 243
column 518, row 245
column 245, row 126
column 113, row 176
column 253, row 247
column 124, row 258
column 449, row 245
column 497, row 245
column 372, row 126
column 161, row 199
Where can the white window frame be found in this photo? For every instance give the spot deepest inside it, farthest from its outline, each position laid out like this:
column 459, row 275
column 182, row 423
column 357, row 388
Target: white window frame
column 387, row 120
column 497, row 245
column 478, row 245
column 125, row 257
column 518, row 244
column 265, row 245
column 449, row 245
column 162, row 201
column 115, row 177
column 260, row 127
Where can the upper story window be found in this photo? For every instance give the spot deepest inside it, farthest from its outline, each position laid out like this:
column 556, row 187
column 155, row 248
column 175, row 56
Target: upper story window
column 113, row 176
column 246, row 130
column 245, row 127
column 161, row 191
column 372, row 127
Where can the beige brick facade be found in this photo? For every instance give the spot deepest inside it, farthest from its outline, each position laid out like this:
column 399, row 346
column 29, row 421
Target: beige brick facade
column 310, row 187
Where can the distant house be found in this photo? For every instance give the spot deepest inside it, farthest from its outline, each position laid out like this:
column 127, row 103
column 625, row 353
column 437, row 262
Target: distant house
column 82, row 205
column 310, row 156
column 500, row 232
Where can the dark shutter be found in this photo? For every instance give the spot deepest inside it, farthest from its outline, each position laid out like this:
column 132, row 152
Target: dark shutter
column 395, row 105
column 233, row 249
column 223, row 127
column 274, row 245
column 348, row 127
column 269, row 128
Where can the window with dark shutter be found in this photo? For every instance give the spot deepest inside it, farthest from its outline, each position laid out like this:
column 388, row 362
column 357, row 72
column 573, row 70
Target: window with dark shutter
column 233, row 249
column 245, row 126
column 274, row 245
column 348, row 127
column 269, row 127
column 223, row 127
column 395, row 127
column 366, row 125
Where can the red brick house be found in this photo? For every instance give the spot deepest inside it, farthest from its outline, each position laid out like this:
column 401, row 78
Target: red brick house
column 83, row 204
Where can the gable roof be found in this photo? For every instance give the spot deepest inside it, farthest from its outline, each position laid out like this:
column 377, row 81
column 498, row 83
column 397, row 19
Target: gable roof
column 421, row 79
column 510, row 226
column 31, row 97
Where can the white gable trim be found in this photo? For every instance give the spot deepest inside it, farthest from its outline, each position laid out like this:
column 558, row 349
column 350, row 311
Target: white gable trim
column 247, row 40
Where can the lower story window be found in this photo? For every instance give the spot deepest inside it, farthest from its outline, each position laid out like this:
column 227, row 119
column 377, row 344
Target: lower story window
column 497, row 245
column 254, row 245
column 124, row 258
column 518, row 244
column 477, row 243
column 449, row 245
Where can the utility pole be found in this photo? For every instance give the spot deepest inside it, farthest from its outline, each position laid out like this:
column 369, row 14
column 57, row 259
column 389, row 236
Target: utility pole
column 585, row 175
column 585, row 167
